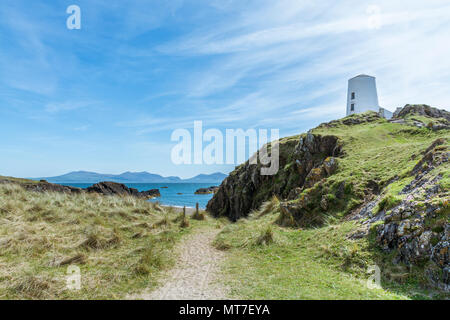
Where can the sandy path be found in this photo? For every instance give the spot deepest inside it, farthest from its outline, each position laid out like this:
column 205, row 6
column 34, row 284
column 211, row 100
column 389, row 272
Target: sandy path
column 195, row 274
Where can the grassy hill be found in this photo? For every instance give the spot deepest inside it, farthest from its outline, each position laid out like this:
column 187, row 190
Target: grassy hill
column 350, row 194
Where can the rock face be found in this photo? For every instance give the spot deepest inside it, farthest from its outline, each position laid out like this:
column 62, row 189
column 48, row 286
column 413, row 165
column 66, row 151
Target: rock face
column 420, row 231
column 246, row 189
column 113, row 188
column 419, row 235
column 423, row 110
column 438, row 119
column 209, row 190
column 418, row 228
column 149, row 194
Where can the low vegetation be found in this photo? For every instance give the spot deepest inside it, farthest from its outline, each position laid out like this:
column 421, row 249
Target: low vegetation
column 267, row 261
column 120, row 244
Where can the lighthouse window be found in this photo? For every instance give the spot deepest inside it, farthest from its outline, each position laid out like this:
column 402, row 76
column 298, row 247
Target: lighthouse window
column 353, row 95
column 352, row 107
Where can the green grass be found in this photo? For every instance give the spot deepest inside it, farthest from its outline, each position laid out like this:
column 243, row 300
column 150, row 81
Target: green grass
column 380, row 150
column 319, row 263
column 121, row 244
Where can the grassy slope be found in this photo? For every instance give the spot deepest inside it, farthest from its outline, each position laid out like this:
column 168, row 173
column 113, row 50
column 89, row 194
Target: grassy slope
column 298, row 264
column 380, row 150
column 322, row 263
column 121, row 243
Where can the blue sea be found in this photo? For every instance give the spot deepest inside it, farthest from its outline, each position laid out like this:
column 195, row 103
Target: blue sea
column 170, row 195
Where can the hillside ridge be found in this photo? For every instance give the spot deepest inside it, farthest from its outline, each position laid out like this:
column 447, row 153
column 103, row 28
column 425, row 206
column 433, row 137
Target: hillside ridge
column 390, row 175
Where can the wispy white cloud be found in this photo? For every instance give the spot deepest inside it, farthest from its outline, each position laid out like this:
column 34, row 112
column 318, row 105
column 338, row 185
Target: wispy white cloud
column 295, row 49
column 140, row 69
column 55, row 107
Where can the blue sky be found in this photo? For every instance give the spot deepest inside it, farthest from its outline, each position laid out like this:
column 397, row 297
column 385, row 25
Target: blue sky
column 106, row 98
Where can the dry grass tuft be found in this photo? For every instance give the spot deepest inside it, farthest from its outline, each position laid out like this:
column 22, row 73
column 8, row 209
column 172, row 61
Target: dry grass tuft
column 266, row 237
column 184, row 223
column 163, row 222
column 273, row 205
column 95, row 240
column 33, row 287
column 286, row 219
column 200, row 215
column 79, row 258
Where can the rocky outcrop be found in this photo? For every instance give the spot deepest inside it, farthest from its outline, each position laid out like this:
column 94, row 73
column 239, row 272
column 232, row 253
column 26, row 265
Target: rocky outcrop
column 417, row 229
column 420, row 235
column 44, row 186
column 437, row 119
column 113, row 188
column 149, row 194
column 105, row 188
column 302, row 163
column 423, row 110
column 209, row 190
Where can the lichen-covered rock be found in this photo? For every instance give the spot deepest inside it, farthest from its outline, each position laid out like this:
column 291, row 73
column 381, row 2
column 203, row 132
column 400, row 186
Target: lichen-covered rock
column 330, row 165
column 417, row 229
column 324, row 203
column 412, row 231
column 301, row 166
column 314, row 176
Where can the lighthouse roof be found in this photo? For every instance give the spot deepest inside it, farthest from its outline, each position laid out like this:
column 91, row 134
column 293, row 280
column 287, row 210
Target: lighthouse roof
column 363, row 76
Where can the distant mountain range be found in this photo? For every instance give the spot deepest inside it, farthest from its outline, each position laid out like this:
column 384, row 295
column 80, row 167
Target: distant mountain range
column 131, row 177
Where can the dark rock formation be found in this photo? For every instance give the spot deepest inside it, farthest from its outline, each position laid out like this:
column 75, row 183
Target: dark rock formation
column 418, row 231
column 44, row 186
column 423, row 110
column 209, row 190
column 149, row 194
column 438, row 119
column 113, row 188
column 420, row 236
column 246, row 189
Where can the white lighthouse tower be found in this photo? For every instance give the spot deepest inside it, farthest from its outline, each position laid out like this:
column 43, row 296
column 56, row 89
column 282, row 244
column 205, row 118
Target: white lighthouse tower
column 362, row 95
